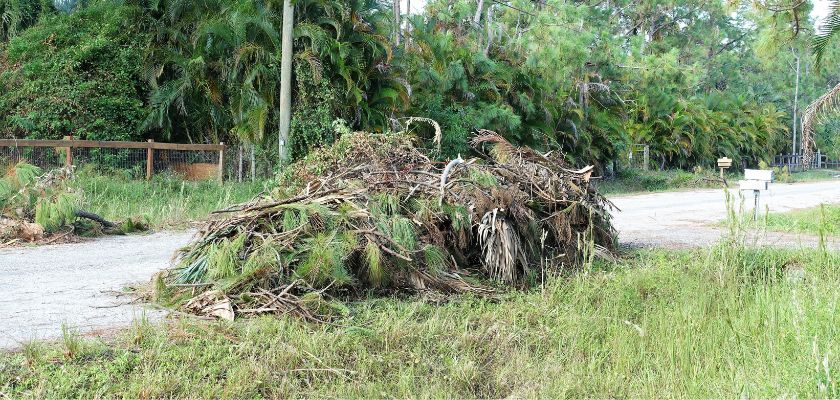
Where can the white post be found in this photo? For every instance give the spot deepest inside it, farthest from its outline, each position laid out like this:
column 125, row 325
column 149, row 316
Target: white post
column 286, row 80
column 795, row 103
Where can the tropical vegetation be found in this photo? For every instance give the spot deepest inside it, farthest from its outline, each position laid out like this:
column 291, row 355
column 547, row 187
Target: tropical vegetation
column 692, row 80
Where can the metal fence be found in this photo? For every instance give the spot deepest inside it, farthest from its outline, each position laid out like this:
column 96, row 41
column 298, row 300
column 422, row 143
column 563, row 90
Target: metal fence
column 794, row 163
column 248, row 163
column 639, row 156
column 139, row 159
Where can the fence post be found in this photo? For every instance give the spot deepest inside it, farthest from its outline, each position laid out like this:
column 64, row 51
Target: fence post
column 222, row 163
column 253, row 162
column 68, row 157
column 647, row 157
column 239, row 174
column 819, row 159
column 150, row 160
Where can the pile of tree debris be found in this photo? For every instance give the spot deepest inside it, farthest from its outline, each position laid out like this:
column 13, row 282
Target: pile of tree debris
column 35, row 204
column 373, row 212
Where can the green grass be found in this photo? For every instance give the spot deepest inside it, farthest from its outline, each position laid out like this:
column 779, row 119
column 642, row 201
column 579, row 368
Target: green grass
column 726, row 322
column 167, row 201
column 637, row 181
column 816, row 175
column 809, row 220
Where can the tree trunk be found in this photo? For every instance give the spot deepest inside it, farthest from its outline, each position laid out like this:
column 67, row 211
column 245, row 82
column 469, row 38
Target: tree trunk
column 397, row 25
column 407, row 14
column 489, row 22
column 286, row 81
column 477, row 16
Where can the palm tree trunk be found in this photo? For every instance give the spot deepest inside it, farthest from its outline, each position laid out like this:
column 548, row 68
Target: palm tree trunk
column 286, row 81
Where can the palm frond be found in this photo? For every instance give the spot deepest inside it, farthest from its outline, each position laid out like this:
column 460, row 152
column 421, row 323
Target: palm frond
column 825, row 105
column 830, row 28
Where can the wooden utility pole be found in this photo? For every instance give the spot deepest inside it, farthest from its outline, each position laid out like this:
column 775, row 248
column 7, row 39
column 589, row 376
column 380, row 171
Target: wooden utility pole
column 286, row 81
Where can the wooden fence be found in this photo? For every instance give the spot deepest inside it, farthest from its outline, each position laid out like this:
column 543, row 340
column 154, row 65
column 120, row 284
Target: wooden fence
column 793, row 162
column 192, row 160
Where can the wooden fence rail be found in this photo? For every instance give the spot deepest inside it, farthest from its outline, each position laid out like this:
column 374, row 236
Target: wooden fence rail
column 150, row 146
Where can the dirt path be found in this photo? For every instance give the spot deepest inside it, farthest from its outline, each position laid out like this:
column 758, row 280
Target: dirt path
column 47, row 286
column 688, row 219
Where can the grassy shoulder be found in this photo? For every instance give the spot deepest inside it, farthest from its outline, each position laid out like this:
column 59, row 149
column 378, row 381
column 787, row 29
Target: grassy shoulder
column 637, row 181
column 165, row 201
column 724, row 322
column 816, row 220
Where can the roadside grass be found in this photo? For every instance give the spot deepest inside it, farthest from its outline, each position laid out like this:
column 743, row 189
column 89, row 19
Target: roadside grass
column 637, row 181
column 722, row 322
column 824, row 219
column 165, row 201
column 816, row 175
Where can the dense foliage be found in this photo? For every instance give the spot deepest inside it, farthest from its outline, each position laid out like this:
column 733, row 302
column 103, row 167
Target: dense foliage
column 76, row 74
column 694, row 80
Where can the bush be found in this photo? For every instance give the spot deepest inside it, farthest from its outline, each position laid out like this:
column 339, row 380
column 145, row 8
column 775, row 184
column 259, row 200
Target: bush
column 76, row 74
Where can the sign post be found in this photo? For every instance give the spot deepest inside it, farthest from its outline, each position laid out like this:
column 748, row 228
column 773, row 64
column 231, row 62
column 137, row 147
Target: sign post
column 724, row 163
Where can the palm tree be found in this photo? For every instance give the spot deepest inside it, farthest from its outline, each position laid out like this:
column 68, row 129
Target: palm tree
column 828, row 102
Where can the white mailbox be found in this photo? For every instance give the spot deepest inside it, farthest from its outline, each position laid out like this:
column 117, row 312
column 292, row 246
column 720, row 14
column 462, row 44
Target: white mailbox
column 758, row 175
column 756, row 180
column 754, row 185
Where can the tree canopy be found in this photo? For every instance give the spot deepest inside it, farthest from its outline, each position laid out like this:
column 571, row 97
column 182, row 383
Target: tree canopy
column 692, row 79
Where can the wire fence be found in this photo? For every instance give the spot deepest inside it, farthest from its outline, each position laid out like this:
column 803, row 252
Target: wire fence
column 137, row 159
column 639, row 156
column 249, row 163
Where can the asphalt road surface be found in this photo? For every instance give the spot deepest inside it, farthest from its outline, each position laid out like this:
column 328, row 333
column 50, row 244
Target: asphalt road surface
column 691, row 218
column 46, row 287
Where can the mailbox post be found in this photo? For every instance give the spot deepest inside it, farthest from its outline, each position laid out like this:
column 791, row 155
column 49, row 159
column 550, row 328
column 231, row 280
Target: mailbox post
column 756, row 180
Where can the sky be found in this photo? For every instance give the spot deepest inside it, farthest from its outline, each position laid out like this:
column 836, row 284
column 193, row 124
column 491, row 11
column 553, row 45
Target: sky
column 818, row 14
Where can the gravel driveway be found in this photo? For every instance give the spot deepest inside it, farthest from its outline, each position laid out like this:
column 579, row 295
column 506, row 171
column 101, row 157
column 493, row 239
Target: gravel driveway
column 47, row 286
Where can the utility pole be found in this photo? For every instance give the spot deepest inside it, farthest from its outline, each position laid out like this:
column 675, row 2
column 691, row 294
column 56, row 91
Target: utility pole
column 286, row 81
column 795, row 102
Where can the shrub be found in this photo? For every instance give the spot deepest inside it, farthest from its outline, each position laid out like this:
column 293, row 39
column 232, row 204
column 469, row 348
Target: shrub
column 75, row 74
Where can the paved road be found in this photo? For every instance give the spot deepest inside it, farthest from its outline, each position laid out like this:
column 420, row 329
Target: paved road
column 47, row 286
column 688, row 219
